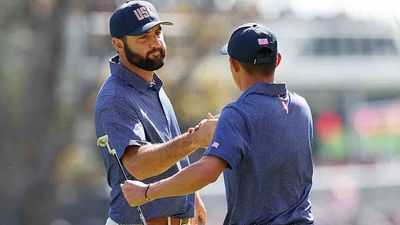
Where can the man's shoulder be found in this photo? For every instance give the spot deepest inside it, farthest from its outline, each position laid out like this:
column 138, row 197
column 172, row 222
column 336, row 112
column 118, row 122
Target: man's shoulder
column 298, row 96
column 298, row 99
column 112, row 94
column 232, row 108
column 111, row 86
column 243, row 106
column 234, row 111
column 114, row 89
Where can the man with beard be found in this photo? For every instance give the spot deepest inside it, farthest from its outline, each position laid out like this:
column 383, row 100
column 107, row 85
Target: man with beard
column 136, row 114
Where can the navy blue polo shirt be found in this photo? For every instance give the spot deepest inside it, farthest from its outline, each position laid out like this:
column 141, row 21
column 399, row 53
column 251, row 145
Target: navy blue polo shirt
column 132, row 111
column 265, row 137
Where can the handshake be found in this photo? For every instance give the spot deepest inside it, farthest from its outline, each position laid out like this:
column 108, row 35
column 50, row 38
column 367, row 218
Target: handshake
column 137, row 193
column 210, row 119
column 203, row 132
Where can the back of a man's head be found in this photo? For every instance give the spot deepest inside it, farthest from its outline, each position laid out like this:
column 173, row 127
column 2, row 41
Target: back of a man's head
column 265, row 69
column 255, row 47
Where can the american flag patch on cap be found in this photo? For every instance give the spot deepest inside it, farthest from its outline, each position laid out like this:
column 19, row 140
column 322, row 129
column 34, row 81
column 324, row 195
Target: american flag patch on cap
column 215, row 144
column 263, row 41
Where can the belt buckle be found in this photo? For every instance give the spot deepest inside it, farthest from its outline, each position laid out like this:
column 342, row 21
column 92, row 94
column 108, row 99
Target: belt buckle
column 184, row 221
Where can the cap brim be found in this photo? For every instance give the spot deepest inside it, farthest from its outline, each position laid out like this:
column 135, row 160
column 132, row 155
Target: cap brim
column 148, row 26
column 224, row 50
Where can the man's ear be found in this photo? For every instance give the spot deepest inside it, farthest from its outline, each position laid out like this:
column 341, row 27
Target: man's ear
column 235, row 65
column 278, row 59
column 118, row 44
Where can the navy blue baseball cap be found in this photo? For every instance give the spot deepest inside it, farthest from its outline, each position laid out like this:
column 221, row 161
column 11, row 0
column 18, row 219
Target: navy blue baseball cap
column 247, row 40
column 134, row 18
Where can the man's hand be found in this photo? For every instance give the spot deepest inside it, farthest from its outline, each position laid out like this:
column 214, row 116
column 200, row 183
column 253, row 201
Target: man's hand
column 200, row 214
column 209, row 116
column 134, row 192
column 204, row 131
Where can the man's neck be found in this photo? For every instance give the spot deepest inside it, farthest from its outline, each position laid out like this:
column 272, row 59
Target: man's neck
column 249, row 80
column 147, row 75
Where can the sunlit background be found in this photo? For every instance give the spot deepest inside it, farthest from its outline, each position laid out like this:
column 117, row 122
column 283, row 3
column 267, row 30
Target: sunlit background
column 342, row 56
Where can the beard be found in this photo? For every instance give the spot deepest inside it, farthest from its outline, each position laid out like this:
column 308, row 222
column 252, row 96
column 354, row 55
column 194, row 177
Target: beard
column 145, row 63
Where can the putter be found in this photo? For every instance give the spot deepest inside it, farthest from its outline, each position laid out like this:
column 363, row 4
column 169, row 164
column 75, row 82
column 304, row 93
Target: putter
column 103, row 142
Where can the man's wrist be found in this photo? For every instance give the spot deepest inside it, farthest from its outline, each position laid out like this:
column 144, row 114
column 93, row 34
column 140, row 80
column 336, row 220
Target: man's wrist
column 190, row 141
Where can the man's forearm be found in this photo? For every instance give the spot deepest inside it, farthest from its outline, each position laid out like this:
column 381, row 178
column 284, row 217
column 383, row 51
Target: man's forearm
column 187, row 181
column 190, row 179
column 151, row 160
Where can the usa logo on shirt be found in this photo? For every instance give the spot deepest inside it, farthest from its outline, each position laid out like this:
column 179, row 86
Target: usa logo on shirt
column 215, row 144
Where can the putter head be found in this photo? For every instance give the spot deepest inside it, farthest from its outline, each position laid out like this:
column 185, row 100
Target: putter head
column 102, row 141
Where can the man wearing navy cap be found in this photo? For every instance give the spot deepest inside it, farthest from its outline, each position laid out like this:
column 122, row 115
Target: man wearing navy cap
column 136, row 114
column 262, row 143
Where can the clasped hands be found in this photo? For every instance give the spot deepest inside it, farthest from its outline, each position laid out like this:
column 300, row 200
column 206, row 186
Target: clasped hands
column 135, row 191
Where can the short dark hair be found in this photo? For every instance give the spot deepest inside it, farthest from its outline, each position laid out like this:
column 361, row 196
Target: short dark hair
column 266, row 69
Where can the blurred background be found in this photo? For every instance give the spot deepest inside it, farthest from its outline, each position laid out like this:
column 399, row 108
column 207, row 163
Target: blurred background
column 342, row 56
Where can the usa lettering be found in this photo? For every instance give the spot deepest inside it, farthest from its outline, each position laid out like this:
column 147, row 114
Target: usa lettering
column 141, row 13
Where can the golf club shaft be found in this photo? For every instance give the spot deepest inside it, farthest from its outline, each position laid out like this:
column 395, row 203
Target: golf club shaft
column 121, row 167
column 126, row 178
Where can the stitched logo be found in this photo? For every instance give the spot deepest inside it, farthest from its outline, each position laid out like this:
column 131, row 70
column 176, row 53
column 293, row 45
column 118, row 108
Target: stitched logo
column 215, row 144
column 263, row 41
column 141, row 13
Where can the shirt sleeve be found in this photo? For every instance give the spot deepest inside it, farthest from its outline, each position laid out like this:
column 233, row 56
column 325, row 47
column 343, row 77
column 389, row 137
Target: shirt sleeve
column 121, row 123
column 230, row 138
